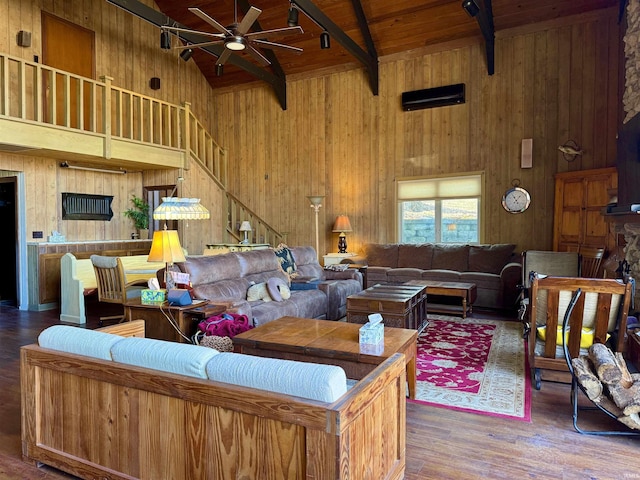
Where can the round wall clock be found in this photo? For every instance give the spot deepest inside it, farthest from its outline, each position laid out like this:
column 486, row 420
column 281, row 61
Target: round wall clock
column 516, row 200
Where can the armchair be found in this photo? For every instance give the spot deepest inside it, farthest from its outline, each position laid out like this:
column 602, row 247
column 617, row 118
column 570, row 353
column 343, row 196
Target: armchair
column 601, row 311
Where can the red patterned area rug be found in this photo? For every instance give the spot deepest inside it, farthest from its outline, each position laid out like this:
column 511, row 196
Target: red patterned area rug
column 475, row 365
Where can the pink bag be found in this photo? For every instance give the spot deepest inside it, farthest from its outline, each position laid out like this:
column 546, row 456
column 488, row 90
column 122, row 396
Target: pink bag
column 225, row 325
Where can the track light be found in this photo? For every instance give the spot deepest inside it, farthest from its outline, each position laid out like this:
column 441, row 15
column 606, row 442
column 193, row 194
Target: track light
column 325, row 40
column 471, row 7
column 292, row 19
column 165, row 40
column 186, row 54
column 219, row 70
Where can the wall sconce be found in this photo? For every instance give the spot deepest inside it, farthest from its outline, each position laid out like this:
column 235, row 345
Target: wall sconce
column 325, row 40
column 154, row 83
column 23, row 39
column 165, row 40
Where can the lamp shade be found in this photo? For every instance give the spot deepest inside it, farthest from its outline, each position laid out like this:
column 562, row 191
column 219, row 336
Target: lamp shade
column 166, row 247
column 178, row 208
column 315, row 200
column 342, row 224
column 245, row 227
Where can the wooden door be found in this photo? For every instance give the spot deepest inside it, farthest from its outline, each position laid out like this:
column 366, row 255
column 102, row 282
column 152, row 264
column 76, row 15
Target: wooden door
column 580, row 198
column 71, row 48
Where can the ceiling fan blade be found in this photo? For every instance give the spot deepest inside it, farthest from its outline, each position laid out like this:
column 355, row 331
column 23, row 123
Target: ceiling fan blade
column 266, row 44
column 248, row 20
column 224, row 57
column 203, row 16
column 257, row 55
column 275, row 32
column 195, row 32
column 200, row 45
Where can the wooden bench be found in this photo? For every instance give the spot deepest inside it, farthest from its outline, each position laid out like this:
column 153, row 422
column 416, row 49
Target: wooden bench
column 77, row 280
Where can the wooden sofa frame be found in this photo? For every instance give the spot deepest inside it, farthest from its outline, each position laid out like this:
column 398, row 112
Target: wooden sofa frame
column 101, row 419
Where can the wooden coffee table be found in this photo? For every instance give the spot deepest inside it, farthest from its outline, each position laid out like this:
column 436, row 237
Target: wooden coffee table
column 467, row 292
column 329, row 342
column 401, row 306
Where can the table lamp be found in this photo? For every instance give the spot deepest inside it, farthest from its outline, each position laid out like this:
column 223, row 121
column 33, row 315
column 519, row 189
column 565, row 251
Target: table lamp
column 245, row 227
column 166, row 248
column 342, row 225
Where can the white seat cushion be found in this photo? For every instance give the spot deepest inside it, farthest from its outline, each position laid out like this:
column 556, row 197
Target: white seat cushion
column 79, row 341
column 181, row 358
column 325, row 383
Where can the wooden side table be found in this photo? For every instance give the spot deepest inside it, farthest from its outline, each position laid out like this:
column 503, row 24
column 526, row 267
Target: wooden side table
column 158, row 319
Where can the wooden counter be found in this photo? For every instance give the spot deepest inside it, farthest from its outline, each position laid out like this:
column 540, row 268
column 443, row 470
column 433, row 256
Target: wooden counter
column 43, row 261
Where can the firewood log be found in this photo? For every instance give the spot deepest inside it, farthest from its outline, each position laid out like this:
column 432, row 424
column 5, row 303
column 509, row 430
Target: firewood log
column 606, row 403
column 631, row 421
column 635, row 377
column 585, row 376
column 605, row 364
column 624, row 396
column 627, row 380
column 633, row 407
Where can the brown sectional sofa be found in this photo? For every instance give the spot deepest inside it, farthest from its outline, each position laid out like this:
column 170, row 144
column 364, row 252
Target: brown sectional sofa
column 495, row 269
column 226, row 279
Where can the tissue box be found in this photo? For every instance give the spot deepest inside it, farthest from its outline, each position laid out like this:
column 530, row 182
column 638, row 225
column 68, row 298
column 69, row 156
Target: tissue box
column 372, row 334
column 152, row 297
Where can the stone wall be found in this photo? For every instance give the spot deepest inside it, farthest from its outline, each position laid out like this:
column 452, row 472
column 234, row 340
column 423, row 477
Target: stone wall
column 631, row 96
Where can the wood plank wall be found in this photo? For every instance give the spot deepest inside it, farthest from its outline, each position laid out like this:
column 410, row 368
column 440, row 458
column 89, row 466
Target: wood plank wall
column 553, row 82
column 127, row 49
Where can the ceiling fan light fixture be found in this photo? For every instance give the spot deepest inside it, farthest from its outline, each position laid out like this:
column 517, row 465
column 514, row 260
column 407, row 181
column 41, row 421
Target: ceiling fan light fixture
column 471, row 7
column 186, row 54
column 165, row 40
column 292, row 19
column 325, row 40
column 235, row 43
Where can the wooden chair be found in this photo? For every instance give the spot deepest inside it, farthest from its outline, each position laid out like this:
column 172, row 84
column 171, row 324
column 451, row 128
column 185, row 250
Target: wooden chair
column 601, row 311
column 590, row 258
column 112, row 285
column 543, row 262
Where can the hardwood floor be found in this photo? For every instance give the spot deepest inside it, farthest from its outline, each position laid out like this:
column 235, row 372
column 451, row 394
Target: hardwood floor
column 441, row 444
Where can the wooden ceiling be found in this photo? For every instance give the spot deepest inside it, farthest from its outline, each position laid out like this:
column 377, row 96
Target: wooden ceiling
column 395, row 26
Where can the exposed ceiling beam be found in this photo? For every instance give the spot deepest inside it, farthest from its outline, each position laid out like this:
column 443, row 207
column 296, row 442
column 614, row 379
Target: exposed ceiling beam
column 485, row 22
column 368, row 40
column 370, row 61
column 159, row 19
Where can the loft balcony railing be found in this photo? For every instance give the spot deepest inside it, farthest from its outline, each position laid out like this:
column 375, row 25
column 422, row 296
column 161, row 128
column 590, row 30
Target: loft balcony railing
column 36, row 94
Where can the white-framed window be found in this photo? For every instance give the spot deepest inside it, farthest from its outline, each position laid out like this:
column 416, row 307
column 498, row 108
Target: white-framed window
column 440, row 209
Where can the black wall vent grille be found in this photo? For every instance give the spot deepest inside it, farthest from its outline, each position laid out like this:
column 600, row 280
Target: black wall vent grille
column 82, row 206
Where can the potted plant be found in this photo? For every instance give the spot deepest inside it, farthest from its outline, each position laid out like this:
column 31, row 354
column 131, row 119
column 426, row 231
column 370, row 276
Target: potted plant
column 139, row 213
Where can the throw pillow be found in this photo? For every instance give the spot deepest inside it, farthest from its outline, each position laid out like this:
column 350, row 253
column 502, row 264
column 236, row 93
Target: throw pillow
column 278, row 289
column 490, row 258
column 285, row 257
column 258, row 292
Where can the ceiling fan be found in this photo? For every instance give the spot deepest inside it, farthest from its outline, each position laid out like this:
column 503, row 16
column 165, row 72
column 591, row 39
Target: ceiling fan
column 236, row 37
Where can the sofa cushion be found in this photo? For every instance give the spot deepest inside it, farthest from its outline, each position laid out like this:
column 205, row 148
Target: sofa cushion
column 325, row 383
column 490, row 258
column 403, row 275
column 415, row 256
column 307, row 265
column 450, row 257
column 381, row 255
column 79, row 341
column 441, row 275
column 209, row 269
column 181, row 358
